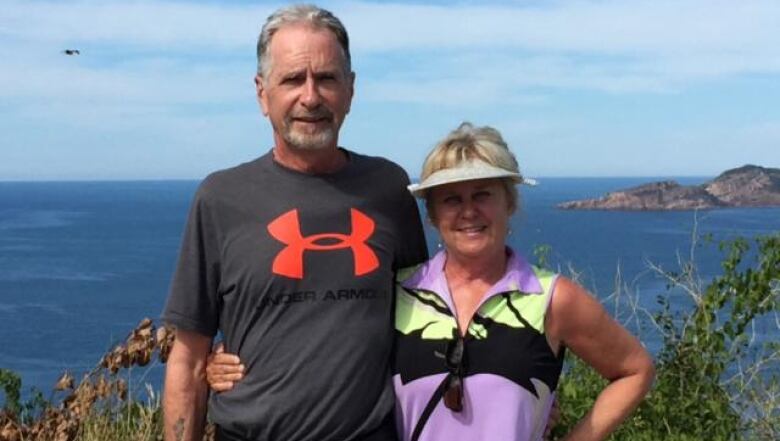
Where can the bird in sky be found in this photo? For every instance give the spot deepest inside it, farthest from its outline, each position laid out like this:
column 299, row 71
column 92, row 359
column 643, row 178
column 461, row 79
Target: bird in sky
column 71, row 52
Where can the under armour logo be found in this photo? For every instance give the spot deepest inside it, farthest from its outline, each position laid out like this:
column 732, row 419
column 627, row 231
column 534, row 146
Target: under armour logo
column 287, row 230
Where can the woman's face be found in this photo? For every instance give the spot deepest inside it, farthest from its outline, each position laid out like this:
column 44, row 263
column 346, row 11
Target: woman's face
column 472, row 217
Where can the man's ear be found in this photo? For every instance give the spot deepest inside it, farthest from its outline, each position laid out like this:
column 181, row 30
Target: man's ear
column 262, row 94
column 351, row 80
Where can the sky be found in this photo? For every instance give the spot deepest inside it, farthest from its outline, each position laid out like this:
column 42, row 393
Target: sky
column 164, row 89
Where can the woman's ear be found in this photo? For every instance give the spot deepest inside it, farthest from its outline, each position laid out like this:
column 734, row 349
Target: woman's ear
column 430, row 219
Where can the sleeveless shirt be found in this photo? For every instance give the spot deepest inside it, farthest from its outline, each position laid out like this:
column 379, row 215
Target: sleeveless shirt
column 509, row 372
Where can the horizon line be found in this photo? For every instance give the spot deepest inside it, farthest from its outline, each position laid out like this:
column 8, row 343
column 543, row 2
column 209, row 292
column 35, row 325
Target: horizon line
column 192, row 179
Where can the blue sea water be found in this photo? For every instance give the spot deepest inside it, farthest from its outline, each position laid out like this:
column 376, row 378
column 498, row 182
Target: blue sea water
column 82, row 262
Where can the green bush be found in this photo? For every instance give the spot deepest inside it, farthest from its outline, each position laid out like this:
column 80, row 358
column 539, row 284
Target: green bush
column 712, row 381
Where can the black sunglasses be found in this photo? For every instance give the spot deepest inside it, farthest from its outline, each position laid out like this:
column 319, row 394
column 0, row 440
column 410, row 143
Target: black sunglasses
column 455, row 360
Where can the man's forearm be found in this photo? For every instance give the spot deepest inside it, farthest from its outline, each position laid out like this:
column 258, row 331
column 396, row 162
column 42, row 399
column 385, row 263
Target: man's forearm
column 185, row 393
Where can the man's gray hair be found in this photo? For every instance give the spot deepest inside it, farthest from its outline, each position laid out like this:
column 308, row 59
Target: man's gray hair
column 297, row 14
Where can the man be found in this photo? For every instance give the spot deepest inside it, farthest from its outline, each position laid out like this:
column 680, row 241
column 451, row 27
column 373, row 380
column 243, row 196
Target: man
column 291, row 256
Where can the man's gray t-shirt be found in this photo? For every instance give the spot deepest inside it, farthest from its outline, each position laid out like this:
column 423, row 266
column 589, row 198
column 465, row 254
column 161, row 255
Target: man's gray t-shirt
column 296, row 270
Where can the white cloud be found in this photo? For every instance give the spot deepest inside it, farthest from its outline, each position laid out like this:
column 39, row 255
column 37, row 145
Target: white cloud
column 148, row 24
column 609, row 46
column 179, row 74
column 661, row 27
column 491, row 77
column 146, row 82
column 656, row 27
column 177, row 52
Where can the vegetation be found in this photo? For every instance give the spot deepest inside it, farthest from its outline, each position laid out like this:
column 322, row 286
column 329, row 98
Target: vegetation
column 98, row 407
column 716, row 379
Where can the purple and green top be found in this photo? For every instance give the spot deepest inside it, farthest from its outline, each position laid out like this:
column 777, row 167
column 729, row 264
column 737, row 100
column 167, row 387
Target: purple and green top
column 509, row 371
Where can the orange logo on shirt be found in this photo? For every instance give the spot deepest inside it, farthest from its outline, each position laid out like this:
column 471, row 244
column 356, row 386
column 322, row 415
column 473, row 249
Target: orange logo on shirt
column 287, row 230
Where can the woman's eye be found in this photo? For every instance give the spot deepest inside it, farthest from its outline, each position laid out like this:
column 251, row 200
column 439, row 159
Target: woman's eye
column 482, row 195
column 449, row 200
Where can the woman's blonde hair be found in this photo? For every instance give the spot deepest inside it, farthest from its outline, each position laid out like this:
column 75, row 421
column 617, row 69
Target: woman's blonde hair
column 467, row 143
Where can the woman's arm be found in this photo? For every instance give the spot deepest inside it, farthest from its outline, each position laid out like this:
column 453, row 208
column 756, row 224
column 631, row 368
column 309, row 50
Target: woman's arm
column 579, row 322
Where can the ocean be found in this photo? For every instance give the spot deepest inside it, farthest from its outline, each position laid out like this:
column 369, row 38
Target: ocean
column 81, row 263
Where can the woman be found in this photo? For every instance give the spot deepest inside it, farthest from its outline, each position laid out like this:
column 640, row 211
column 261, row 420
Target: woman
column 481, row 333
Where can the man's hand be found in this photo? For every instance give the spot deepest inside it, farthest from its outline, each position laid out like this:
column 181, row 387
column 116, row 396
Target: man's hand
column 185, row 391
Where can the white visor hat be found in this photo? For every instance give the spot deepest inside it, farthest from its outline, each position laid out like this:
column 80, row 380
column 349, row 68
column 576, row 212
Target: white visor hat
column 466, row 171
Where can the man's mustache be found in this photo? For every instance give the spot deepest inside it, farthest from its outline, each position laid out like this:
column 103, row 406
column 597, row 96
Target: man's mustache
column 320, row 113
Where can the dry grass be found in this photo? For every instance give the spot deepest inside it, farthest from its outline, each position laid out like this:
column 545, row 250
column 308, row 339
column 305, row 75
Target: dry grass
column 98, row 407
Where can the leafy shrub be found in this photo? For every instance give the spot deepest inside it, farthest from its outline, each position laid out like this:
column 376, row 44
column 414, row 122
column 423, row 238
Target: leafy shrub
column 713, row 382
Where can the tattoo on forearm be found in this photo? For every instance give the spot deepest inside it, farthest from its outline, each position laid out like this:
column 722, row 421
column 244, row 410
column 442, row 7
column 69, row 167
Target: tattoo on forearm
column 178, row 429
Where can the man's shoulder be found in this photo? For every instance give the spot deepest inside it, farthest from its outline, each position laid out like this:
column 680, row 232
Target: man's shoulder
column 227, row 179
column 378, row 164
column 238, row 172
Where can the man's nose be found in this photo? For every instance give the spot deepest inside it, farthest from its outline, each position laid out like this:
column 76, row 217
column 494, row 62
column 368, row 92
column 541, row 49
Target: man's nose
column 310, row 97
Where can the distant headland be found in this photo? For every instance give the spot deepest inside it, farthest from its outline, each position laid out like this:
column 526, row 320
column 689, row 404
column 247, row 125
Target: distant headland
column 747, row 186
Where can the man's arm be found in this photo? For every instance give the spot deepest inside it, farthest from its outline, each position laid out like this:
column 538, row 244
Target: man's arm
column 185, row 393
column 412, row 248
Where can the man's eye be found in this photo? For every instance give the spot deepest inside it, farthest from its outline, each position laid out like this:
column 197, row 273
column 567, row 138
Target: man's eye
column 292, row 80
column 449, row 200
column 481, row 195
column 327, row 78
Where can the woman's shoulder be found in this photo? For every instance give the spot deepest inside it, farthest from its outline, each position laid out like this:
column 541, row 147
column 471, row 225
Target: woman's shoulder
column 406, row 273
column 568, row 293
column 572, row 307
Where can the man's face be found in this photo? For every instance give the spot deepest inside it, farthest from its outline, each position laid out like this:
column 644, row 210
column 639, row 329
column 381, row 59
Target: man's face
column 307, row 93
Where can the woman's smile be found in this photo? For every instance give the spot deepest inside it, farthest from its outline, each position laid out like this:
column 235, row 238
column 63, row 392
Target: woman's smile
column 471, row 216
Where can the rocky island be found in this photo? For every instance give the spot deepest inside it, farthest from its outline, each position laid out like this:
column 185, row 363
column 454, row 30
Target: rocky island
column 747, row 186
